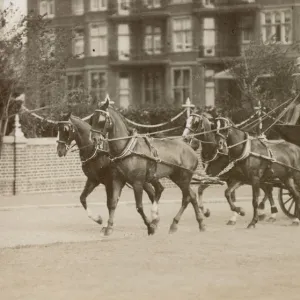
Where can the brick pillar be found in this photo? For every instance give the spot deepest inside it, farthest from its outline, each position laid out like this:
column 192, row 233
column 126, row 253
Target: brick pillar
column 20, row 164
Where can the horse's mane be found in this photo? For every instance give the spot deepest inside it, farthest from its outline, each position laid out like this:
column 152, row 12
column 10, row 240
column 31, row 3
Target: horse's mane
column 128, row 127
column 81, row 121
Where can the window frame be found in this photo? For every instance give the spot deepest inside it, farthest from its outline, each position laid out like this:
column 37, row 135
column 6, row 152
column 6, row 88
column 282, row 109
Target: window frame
column 105, row 52
column 185, row 47
column 91, row 90
column 190, row 83
column 48, row 3
column 273, row 25
column 99, row 8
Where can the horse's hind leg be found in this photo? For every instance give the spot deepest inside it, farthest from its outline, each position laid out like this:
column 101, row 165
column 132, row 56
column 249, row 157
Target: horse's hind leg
column 188, row 195
column 268, row 189
column 229, row 193
column 138, row 194
column 88, row 188
column 201, row 189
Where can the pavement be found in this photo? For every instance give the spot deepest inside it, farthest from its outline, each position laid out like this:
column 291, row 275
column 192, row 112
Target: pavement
column 98, row 197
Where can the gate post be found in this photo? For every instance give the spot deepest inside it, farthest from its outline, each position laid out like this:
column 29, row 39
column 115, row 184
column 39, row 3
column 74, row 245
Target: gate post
column 259, row 113
column 19, row 183
column 188, row 104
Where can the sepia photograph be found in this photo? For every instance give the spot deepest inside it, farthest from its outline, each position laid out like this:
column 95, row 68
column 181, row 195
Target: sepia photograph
column 149, row 148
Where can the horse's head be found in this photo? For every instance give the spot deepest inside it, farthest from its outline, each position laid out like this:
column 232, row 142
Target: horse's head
column 223, row 126
column 198, row 122
column 66, row 134
column 101, row 123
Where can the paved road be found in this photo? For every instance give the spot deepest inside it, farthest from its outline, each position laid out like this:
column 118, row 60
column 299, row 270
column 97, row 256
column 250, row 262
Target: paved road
column 49, row 249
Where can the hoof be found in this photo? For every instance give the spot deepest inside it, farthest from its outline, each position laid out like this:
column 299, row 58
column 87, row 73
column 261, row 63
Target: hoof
column 295, row 224
column 155, row 221
column 251, row 226
column 271, row 220
column 202, row 228
column 261, row 217
column 207, row 213
column 230, row 222
column 151, row 229
column 99, row 221
column 173, row 228
column 240, row 211
column 107, row 231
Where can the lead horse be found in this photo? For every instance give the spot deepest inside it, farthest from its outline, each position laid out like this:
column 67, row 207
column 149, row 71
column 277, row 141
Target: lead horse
column 261, row 161
column 141, row 160
column 202, row 122
column 96, row 164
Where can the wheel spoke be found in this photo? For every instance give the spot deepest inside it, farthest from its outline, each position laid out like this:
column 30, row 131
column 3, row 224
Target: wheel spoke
column 289, row 209
column 287, row 200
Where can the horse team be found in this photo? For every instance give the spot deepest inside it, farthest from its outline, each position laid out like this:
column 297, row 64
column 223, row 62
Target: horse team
column 112, row 154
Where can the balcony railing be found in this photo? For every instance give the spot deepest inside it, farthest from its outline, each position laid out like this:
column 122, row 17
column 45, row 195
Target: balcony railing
column 212, row 52
column 224, row 5
column 139, row 56
column 138, row 8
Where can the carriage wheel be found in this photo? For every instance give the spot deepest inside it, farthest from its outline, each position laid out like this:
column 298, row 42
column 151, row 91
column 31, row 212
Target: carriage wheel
column 287, row 203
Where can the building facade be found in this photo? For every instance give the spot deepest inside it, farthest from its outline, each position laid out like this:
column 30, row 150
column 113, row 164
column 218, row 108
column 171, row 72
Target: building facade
column 163, row 51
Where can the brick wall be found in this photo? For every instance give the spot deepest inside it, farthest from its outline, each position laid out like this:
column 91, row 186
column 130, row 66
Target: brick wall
column 39, row 169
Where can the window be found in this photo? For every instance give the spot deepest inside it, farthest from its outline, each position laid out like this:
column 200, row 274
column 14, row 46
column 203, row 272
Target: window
column 124, row 7
column 97, row 5
column 246, row 29
column 98, row 40
column 123, row 42
column 152, row 41
column 181, row 1
column 77, row 7
column 152, row 87
column 152, row 3
column 277, row 26
column 182, row 34
column 124, row 90
column 181, row 85
column 78, row 43
column 209, row 36
column 208, row 3
column 48, row 45
column 75, row 85
column 47, row 7
column 97, row 85
column 209, row 88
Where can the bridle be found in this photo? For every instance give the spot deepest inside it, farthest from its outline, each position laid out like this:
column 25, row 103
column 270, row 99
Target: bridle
column 108, row 123
column 70, row 128
column 217, row 153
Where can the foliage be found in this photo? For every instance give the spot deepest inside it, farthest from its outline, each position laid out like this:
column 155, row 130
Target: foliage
column 263, row 74
column 34, row 57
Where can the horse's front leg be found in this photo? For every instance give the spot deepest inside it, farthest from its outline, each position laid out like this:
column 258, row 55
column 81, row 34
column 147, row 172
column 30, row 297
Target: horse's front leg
column 229, row 194
column 138, row 194
column 255, row 197
column 154, row 196
column 201, row 189
column 113, row 192
column 89, row 187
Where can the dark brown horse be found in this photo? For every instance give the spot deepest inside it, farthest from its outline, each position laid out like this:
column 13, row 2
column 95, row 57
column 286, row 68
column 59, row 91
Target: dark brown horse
column 217, row 161
column 142, row 160
column 96, row 164
column 261, row 161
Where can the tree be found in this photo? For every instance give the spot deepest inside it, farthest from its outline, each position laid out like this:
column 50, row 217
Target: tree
column 34, row 58
column 264, row 74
